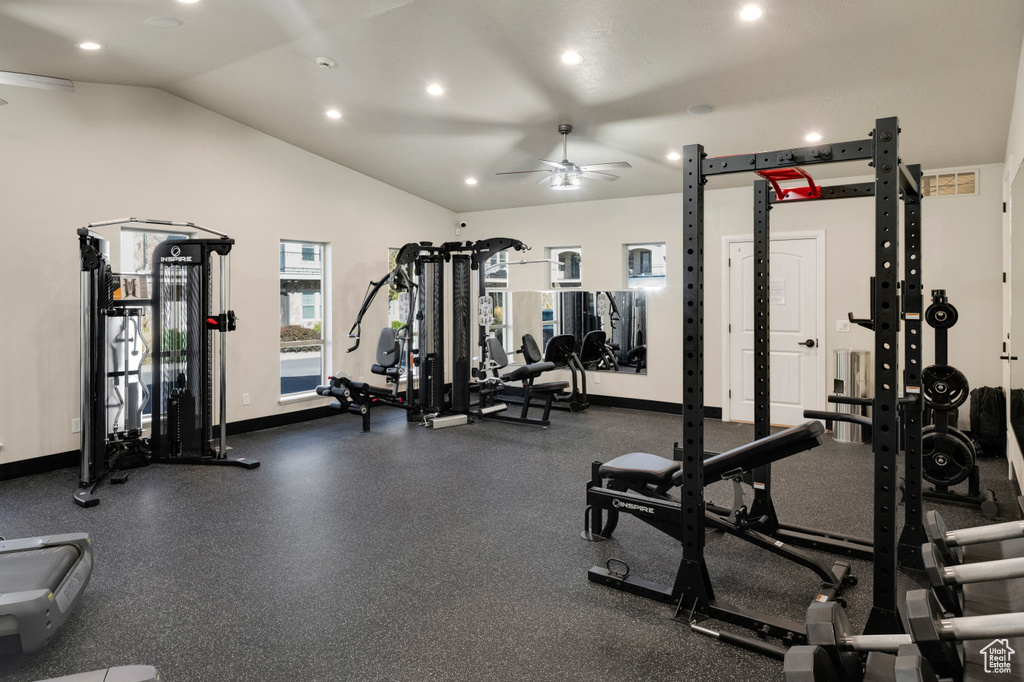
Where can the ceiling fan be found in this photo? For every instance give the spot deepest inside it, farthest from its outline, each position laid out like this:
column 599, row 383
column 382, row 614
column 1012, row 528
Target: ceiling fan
column 566, row 174
column 28, row 80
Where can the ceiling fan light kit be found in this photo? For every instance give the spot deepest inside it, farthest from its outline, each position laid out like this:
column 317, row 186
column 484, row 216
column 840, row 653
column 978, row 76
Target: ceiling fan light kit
column 565, row 174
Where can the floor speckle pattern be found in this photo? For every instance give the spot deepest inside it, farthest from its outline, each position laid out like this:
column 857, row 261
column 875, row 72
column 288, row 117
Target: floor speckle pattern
column 409, row 554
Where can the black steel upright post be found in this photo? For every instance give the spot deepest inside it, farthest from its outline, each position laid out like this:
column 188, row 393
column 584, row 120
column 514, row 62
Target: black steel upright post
column 693, row 584
column 913, row 535
column 762, row 476
column 884, row 617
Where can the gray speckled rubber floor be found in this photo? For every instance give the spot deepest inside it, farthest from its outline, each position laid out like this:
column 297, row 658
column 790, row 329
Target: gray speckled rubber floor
column 409, row 554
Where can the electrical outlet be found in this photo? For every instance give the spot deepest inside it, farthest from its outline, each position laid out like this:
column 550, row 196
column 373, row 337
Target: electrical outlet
column 597, row 378
column 245, row 398
column 76, row 425
column 843, row 326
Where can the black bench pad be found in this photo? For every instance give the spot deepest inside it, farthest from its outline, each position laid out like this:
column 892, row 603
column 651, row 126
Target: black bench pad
column 640, row 467
column 764, row 451
column 549, row 387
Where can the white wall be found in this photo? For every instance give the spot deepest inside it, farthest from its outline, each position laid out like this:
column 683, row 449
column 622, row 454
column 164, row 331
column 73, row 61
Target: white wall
column 109, row 152
column 1011, row 173
column 961, row 252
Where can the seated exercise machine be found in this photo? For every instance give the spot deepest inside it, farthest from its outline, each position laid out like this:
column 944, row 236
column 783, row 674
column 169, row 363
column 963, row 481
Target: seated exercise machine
column 597, row 353
column 489, row 405
column 357, row 397
column 176, row 300
column 639, row 484
column 561, row 353
column 41, row 581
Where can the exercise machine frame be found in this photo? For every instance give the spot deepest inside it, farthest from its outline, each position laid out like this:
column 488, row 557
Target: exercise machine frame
column 892, row 178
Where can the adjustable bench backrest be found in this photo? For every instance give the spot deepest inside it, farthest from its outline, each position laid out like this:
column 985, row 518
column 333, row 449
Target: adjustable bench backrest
column 593, row 345
column 388, row 352
column 531, row 351
column 559, row 349
column 760, row 452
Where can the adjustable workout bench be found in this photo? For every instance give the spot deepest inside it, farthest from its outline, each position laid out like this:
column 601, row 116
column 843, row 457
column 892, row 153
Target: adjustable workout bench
column 638, row 483
column 41, row 580
column 490, row 406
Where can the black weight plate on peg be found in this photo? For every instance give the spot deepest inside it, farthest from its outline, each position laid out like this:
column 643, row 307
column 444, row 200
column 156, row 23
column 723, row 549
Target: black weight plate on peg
column 945, row 459
column 944, row 386
column 941, row 315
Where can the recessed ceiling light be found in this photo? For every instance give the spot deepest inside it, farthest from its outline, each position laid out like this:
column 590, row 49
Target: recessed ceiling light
column 701, row 109
column 188, row 2
column 813, row 137
column 470, row 181
column 333, row 113
column 673, row 156
column 572, row 57
column 90, row 46
column 163, row 22
column 435, row 90
column 751, row 13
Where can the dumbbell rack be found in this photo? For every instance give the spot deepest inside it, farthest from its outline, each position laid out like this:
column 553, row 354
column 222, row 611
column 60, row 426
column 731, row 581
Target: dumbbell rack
column 949, row 456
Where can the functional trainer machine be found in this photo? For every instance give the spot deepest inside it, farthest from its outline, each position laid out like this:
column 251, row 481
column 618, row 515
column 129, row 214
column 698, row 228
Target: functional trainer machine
column 177, row 300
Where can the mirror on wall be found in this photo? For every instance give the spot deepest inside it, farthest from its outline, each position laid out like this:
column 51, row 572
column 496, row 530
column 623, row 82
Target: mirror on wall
column 610, row 327
column 1017, row 298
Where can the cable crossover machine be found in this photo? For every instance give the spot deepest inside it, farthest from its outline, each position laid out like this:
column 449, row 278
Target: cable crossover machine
column 176, row 299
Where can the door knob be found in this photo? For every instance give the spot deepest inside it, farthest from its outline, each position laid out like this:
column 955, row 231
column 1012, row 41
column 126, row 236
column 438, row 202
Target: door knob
column 809, row 343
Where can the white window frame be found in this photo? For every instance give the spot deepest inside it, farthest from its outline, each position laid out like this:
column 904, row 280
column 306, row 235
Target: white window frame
column 558, row 280
column 325, row 318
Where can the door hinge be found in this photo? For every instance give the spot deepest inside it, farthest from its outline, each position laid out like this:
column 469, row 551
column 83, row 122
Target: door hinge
column 730, row 392
column 729, row 264
column 730, row 329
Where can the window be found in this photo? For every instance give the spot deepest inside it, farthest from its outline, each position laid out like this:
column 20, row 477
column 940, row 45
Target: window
column 496, row 283
column 949, row 184
column 303, row 332
column 645, row 265
column 566, row 270
column 137, row 246
column 496, row 271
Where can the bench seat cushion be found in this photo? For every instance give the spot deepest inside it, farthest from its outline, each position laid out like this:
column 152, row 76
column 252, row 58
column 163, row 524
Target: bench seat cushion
column 640, row 467
column 549, row 387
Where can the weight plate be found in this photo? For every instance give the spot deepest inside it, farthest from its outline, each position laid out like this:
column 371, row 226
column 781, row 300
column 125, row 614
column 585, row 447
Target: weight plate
column 944, row 386
column 945, row 459
column 941, row 315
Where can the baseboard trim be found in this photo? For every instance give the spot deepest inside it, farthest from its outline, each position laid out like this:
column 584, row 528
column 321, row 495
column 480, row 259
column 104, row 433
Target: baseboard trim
column 66, row 460
column 710, row 412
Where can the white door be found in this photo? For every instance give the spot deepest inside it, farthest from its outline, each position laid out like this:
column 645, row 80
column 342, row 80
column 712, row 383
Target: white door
column 795, row 380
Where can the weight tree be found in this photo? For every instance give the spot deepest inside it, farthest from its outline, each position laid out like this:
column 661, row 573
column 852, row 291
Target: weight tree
column 892, row 178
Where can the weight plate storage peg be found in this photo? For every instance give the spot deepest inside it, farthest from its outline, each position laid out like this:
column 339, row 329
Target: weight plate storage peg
column 941, row 315
column 944, row 386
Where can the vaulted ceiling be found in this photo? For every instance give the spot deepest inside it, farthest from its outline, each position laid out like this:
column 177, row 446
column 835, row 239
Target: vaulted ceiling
column 947, row 69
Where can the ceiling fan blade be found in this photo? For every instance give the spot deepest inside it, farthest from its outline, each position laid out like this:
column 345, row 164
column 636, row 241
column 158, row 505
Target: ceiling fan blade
column 557, row 164
column 605, row 166
column 597, row 175
column 3, row 102
column 29, row 80
column 544, row 179
column 519, row 172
